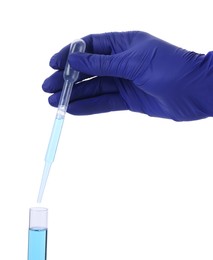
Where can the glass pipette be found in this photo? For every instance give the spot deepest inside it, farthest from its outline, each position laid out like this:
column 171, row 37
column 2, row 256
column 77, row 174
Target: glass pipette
column 70, row 77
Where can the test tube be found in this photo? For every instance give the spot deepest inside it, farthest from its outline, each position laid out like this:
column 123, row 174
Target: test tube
column 37, row 234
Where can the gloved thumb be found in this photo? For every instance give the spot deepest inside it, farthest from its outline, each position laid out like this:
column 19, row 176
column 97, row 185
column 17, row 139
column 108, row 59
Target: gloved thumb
column 100, row 64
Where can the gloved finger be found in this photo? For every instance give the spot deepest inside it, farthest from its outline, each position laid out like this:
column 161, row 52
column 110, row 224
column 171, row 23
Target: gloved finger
column 111, row 43
column 93, row 105
column 59, row 59
column 116, row 65
column 94, row 87
column 95, row 43
column 96, row 105
column 55, row 82
column 88, row 89
column 98, row 43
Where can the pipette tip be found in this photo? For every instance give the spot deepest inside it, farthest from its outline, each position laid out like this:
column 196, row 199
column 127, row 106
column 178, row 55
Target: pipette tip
column 43, row 181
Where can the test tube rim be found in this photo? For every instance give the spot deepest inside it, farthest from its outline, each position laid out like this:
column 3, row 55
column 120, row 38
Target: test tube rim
column 39, row 208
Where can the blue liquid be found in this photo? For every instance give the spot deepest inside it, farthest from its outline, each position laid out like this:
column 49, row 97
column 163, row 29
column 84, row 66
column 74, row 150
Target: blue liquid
column 37, row 244
column 50, row 154
column 54, row 139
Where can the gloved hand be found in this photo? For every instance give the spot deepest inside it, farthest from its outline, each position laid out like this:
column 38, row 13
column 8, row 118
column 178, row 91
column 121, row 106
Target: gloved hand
column 139, row 72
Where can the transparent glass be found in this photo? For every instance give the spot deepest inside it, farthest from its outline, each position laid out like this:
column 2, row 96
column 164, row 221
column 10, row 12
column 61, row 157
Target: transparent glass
column 37, row 234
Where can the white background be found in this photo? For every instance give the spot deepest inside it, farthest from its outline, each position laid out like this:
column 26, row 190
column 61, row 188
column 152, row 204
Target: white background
column 123, row 185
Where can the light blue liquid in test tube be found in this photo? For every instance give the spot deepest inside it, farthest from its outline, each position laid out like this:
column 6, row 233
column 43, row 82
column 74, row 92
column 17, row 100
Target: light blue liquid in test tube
column 37, row 244
column 37, row 234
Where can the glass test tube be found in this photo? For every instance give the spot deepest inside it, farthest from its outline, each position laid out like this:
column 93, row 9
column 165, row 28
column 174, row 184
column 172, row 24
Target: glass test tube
column 37, row 235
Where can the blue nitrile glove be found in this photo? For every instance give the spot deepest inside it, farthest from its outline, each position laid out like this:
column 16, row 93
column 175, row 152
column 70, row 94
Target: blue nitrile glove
column 139, row 72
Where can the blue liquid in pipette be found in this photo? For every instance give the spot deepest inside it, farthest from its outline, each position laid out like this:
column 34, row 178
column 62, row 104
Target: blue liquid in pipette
column 37, row 244
column 53, row 143
column 50, row 154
